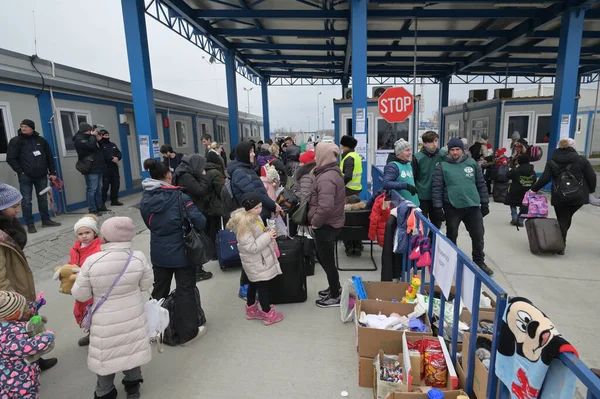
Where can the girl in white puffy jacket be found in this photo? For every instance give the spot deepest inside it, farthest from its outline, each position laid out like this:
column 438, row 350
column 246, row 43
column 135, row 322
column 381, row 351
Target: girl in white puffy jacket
column 259, row 259
column 119, row 332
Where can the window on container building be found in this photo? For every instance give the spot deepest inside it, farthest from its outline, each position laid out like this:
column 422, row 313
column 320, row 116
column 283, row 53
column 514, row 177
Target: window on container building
column 69, row 125
column 6, row 129
column 181, row 132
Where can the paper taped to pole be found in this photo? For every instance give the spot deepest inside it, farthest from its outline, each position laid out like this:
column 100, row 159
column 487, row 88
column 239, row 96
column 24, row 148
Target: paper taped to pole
column 444, row 265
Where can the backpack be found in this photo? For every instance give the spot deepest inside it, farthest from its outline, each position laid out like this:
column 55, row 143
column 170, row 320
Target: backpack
column 287, row 201
column 475, row 151
column 534, row 206
column 535, row 152
column 566, row 187
column 265, row 167
column 227, row 197
column 502, row 174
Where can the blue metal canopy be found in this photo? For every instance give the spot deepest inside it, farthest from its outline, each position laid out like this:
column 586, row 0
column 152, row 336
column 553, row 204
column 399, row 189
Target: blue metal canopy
column 307, row 41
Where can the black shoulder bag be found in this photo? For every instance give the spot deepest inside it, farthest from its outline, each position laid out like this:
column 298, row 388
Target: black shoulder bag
column 198, row 247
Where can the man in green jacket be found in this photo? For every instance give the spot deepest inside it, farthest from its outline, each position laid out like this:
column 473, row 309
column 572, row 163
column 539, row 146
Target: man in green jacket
column 423, row 165
column 458, row 190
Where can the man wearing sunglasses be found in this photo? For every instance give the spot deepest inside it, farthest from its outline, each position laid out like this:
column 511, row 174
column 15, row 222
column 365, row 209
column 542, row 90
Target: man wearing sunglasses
column 112, row 157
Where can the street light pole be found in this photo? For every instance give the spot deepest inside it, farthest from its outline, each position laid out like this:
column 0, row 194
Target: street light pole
column 318, row 111
column 323, row 118
column 248, row 92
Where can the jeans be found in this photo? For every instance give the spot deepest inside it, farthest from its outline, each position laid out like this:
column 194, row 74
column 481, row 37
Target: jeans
column 185, row 319
column 564, row 215
column 514, row 214
column 26, row 185
column 106, row 383
column 325, row 240
column 473, row 220
column 111, row 179
column 263, row 295
column 94, row 191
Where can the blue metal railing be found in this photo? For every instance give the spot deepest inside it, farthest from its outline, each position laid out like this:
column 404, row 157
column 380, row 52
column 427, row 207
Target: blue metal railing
column 574, row 364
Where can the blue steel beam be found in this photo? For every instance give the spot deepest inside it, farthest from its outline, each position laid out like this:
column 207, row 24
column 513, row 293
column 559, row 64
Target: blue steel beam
column 444, row 96
column 421, row 13
column 395, row 34
column 565, row 89
column 232, row 101
column 265, row 107
column 524, row 29
column 136, row 39
column 184, row 12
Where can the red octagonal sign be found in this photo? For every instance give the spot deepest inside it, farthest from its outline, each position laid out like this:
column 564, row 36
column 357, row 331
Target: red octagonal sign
column 395, row 104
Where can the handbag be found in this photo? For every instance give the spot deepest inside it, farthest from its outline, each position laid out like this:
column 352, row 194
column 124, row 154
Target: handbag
column 198, row 246
column 300, row 216
column 84, row 165
column 86, row 322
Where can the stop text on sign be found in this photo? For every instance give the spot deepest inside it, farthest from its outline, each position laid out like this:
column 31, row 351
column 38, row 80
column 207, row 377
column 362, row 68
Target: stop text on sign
column 396, row 105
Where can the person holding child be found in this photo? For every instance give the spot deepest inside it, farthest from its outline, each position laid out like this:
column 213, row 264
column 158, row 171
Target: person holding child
column 15, row 273
column 523, row 177
column 88, row 243
column 19, row 371
column 257, row 253
column 119, row 280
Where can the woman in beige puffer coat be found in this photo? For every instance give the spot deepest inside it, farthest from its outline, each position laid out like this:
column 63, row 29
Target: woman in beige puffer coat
column 119, row 333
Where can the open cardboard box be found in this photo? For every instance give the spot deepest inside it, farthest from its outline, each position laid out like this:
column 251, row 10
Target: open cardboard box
column 385, row 291
column 382, row 388
column 481, row 374
column 413, row 395
column 371, row 340
column 365, row 372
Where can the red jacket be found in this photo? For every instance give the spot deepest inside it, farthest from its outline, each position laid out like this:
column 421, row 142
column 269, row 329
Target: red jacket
column 78, row 256
column 379, row 218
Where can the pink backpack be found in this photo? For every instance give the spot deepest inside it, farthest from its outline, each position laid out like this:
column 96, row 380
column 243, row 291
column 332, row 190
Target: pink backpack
column 537, row 205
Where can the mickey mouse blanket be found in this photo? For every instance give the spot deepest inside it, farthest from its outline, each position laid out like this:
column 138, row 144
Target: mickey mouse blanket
column 528, row 347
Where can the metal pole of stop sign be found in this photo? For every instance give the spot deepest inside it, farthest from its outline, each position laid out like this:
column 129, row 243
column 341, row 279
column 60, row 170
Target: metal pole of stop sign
column 415, row 130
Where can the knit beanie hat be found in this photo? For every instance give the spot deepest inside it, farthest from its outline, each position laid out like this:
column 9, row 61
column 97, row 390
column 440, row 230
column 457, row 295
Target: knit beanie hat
column 401, row 145
column 307, row 157
column 516, row 136
column 10, row 304
column 118, row 229
column 456, row 142
column 9, row 196
column 348, row 141
column 572, row 143
column 265, row 147
column 89, row 221
column 251, row 200
column 272, row 174
column 28, row 122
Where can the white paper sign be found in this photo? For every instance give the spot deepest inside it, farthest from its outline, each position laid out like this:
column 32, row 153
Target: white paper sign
column 360, row 114
column 144, row 148
column 381, row 157
column 155, row 148
column 565, row 126
column 444, row 265
column 360, row 126
column 468, row 288
column 361, row 146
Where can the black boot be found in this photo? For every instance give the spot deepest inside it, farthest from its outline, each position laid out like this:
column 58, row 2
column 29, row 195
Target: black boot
column 46, row 364
column 133, row 388
column 202, row 275
column 111, row 395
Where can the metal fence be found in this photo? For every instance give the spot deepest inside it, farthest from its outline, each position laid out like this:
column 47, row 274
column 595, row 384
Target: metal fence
column 574, row 364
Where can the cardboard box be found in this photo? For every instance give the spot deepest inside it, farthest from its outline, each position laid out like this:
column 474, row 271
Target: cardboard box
column 462, row 376
column 382, row 388
column 415, row 365
column 365, row 372
column 413, row 395
column 385, row 291
column 481, row 374
column 371, row 340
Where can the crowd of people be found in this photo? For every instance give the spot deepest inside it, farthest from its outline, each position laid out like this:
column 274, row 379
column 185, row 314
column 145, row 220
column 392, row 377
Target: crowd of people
column 245, row 193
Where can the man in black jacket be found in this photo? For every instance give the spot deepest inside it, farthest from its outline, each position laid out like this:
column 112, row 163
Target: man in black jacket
column 111, row 178
column 30, row 156
column 91, row 159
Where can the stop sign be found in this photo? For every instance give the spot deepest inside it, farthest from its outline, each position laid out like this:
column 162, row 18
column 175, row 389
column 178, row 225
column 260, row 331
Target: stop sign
column 395, row 104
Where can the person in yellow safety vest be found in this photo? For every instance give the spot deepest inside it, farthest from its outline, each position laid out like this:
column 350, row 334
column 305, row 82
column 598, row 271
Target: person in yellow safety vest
column 351, row 166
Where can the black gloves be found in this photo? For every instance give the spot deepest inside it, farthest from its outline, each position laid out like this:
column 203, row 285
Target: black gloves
column 411, row 189
column 485, row 210
column 438, row 213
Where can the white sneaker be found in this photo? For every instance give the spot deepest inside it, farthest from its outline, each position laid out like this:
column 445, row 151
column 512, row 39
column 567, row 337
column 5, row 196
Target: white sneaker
column 201, row 332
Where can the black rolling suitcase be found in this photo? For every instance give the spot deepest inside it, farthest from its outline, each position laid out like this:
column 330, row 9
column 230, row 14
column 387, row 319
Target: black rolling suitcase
column 289, row 287
column 544, row 236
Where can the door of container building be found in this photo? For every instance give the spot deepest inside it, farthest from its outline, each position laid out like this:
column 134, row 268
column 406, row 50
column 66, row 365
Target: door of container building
column 132, row 142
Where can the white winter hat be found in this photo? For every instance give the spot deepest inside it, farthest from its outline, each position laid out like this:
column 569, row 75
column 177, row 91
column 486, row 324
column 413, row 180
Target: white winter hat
column 87, row 221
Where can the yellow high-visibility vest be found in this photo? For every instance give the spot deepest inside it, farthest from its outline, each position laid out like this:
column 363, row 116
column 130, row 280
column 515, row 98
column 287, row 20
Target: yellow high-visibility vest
column 355, row 183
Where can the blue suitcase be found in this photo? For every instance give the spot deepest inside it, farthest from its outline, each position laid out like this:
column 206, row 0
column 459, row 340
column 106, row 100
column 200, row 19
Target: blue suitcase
column 227, row 250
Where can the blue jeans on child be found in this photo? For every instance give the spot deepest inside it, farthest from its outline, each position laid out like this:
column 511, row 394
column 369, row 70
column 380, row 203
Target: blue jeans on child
column 514, row 214
column 94, row 191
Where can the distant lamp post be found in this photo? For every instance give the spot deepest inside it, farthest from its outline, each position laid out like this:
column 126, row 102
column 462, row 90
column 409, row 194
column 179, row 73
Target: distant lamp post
column 318, row 110
column 323, row 118
column 248, row 91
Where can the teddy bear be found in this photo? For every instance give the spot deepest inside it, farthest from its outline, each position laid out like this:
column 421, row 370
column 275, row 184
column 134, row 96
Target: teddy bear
column 67, row 275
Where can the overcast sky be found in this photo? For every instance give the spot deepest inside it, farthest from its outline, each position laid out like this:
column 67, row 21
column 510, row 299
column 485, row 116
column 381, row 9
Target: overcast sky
column 89, row 34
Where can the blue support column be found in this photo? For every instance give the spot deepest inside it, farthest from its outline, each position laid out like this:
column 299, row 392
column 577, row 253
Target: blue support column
column 444, row 95
column 358, row 27
column 264, row 83
column 232, row 101
column 567, row 75
column 136, row 39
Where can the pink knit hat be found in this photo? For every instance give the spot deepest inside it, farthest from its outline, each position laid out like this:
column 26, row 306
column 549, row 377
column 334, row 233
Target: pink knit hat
column 118, row 229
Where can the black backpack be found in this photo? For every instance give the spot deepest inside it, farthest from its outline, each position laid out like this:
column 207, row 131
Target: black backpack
column 566, row 187
column 475, row 151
